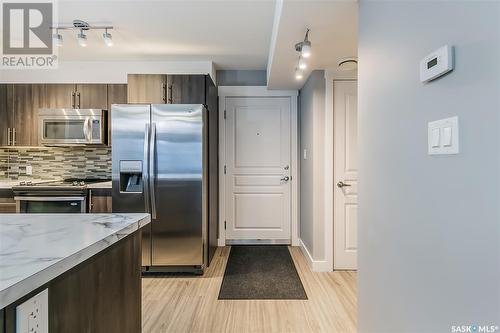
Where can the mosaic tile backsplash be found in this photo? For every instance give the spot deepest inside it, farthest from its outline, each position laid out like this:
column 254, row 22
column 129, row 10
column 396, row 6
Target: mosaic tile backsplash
column 55, row 162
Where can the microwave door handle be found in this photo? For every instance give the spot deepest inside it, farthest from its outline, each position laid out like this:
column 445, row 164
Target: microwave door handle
column 152, row 169
column 145, row 169
column 87, row 131
column 89, row 126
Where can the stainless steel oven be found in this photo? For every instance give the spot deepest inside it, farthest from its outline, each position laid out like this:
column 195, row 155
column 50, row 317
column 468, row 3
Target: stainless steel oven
column 64, row 127
column 51, row 204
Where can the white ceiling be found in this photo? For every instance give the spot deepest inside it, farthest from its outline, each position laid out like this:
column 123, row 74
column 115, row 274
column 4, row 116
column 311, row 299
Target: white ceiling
column 333, row 35
column 232, row 34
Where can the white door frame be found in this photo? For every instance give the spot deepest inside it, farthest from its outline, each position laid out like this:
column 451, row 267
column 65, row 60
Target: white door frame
column 259, row 91
column 331, row 76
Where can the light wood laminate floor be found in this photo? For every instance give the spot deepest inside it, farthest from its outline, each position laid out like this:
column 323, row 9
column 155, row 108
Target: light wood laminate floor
column 190, row 304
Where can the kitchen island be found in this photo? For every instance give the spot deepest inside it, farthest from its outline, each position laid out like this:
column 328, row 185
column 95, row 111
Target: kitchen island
column 89, row 263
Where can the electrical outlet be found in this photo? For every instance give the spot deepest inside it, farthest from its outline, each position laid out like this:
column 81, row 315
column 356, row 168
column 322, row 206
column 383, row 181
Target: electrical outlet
column 29, row 170
column 32, row 315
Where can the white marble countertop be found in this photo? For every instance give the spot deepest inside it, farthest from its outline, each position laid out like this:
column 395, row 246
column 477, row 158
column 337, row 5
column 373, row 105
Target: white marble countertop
column 36, row 248
column 6, row 184
column 100, row 185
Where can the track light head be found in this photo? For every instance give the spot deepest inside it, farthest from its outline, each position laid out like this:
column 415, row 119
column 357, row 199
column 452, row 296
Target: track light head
column 57, row 39
column 108, row 39
column 82, row 39
column 298, row 74
column 302, row 63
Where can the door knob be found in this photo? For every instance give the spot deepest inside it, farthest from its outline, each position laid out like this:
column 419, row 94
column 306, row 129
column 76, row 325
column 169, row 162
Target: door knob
column 285, row 179
column 341, row 184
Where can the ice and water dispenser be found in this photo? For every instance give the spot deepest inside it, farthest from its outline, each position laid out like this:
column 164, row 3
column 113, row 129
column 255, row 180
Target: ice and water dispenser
column 131, row 177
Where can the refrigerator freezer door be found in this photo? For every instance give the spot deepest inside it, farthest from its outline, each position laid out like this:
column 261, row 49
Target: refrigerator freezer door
column 130, row 126
column 178, row 186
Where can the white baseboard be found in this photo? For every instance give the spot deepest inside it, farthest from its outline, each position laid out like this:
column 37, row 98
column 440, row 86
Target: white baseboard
column 221, row 242
column 314, row 265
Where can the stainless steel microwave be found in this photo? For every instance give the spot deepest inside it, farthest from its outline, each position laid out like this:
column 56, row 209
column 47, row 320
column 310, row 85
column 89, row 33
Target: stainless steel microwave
column 65, row 127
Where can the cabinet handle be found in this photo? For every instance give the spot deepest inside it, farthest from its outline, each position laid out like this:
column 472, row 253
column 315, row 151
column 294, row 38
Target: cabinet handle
column 90, row 201
column 79, row 99
column 73, row 100
column 8, row 136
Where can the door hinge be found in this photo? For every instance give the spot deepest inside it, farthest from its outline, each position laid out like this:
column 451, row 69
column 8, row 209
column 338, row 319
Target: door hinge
column 225, row 225
column 225, row 114
column 225, row 169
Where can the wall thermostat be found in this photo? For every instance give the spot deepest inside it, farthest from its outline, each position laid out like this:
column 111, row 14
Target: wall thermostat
column 436, row 64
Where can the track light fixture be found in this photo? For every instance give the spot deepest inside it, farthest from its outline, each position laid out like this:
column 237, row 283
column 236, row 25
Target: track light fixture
column 304, row 48
column 82, row 27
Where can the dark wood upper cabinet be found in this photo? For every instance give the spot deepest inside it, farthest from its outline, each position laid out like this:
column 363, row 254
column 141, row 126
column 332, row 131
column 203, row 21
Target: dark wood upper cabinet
column 6, row 113
column 28, row 98
column 59, row 96
column 147, row 88
column 167, row 88
column 76, row 96
column 117, row 94
column 186, row 89
column 92, row 96
column 19, row 104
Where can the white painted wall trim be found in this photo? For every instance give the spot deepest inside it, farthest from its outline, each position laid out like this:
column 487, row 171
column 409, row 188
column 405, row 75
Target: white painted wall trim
column 314, row 265
column 258, row 91
column 329, row 198
column 104, row 71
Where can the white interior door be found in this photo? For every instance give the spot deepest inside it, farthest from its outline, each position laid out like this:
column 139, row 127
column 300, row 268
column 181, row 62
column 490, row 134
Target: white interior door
column 345, row 174
column 258, row 170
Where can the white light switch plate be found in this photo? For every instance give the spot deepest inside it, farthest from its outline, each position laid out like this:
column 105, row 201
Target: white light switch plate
column 32, row 316
column 443, row 136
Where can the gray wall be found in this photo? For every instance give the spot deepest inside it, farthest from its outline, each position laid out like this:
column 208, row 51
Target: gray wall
column 429, row 226
column 311, row 112
column 241, row 78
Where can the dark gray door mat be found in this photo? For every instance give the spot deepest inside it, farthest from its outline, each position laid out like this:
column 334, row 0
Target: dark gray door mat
column 261, row 272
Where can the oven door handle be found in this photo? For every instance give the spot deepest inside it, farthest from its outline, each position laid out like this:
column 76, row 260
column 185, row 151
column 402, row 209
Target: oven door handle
column 21, row 198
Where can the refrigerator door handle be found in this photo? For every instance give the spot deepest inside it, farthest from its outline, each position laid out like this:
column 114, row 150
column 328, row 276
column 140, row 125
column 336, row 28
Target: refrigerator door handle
column 145, row 169
column 152, row 169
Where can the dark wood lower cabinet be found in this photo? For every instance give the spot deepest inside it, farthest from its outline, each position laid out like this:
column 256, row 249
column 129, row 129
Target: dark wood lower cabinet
column 7, row 202
column 100, row 201
column 102, row 294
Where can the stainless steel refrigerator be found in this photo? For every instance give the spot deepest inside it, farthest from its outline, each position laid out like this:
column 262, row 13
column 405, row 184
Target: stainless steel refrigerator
column 161, row 158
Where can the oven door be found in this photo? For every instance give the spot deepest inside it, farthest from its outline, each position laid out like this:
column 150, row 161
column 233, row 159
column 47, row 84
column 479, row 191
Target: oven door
column 71, row 204
column 66, row 130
